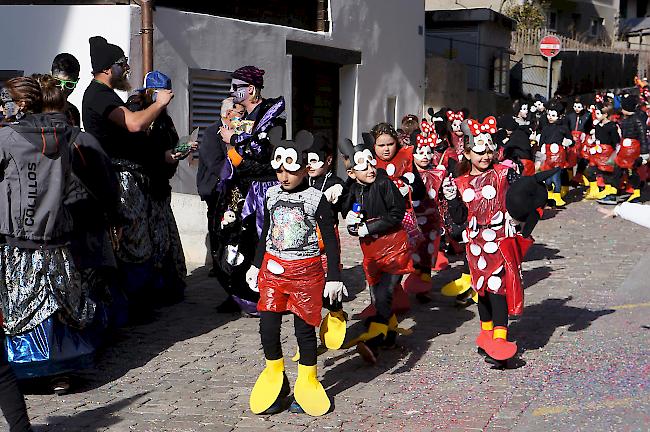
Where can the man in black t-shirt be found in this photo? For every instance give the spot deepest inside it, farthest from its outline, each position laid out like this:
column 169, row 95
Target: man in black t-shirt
column 107, row 118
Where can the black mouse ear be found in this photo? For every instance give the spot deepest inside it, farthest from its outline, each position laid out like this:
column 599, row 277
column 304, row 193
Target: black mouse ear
column 543, row 175
column 275, row 136
column 346, row 147
column 304, row 139
column 431, row 112
column 368, row 139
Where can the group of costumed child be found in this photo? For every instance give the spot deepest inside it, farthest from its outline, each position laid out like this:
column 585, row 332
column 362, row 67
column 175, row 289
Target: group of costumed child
column 400, row 201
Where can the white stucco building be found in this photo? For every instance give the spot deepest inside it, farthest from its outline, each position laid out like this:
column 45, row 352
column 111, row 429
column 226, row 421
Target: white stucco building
column 365, row 66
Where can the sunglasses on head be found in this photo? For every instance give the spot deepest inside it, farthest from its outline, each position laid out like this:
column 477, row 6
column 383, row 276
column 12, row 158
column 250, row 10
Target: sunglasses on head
column 122, row 62
column 67, row 84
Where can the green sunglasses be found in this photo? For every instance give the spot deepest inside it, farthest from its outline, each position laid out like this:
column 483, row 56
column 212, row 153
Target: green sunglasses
column 67, row 84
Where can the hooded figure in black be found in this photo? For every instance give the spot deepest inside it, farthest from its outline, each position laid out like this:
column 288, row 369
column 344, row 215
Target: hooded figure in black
column 526, row 199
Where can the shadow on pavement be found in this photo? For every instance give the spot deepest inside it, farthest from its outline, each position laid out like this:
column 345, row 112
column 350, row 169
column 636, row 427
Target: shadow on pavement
column 92, row 420
column 539, row 321
column 134, row 346
column 431, row 320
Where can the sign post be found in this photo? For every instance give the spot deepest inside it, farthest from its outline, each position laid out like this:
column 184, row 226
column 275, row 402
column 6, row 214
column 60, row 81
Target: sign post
column 549, row 47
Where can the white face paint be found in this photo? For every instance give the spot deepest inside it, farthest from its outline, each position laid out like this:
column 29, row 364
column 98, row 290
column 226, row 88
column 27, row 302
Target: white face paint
column 523, row 111
column 286, row 157
column 539, row 105
column 423, row 152
column 238, row 90
column 551, row 115
column 314, row 161
column 578, row 107
column 362, row 159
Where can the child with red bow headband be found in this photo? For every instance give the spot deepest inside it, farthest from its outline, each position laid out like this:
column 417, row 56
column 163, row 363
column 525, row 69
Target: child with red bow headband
column 427, row 211
column 455, row 120
column 495, row 249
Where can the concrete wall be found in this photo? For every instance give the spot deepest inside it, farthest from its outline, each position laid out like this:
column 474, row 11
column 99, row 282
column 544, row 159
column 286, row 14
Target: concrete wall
column 462, row 4
column 33, row 50
column 388, row 33
column 392, row 59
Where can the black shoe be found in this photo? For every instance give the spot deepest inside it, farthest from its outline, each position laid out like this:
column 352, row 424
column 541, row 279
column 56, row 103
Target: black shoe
column 608, row 200
column 368, row 354
column 229, row 305
column 389, row 341
column 496, row 364
column 295, row 408
column 280, row 403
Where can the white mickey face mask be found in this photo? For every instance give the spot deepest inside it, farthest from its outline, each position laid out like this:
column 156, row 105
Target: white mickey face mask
column 523, row 111
column 362, row 159
column 551, row 115
column 423, row 152
column 285, row 157
column 314, row 161
column 578, row 107
column 456, row 126
column 539, row 105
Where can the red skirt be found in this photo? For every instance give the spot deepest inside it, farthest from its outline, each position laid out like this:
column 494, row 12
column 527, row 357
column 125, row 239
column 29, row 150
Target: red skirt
column 389, row 253
column 292, row 286
column 602, row 159
column 628, row 152
column 513, row 250
column 555, row 157
column 529, row 167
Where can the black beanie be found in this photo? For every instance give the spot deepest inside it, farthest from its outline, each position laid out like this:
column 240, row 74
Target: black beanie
column 629, row 103
column 103, row 54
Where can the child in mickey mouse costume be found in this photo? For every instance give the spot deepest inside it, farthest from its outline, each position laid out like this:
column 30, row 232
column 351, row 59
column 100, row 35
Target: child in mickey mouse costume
column 494, row 247
column 375, row 211
column 289, row 274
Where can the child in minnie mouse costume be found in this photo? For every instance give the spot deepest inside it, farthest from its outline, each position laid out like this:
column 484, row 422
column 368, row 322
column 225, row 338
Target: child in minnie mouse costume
column 289, row 275
column 455, row 120
column 494, row 247
column 426, row 211
column 554, row 140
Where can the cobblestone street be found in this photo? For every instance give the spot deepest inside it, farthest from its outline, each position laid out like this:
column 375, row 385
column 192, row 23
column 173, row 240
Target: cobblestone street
column 584, row 355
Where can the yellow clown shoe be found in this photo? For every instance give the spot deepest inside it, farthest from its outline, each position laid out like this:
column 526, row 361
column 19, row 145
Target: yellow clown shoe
column 557, row 198
column 635, row 196
column 593, row 191
column 375, row 329
column 393, row 325
column 309, row 392
column 458, row 286
column 564, row 190
column 269, row 387
column 332, row 329
column 609, row 190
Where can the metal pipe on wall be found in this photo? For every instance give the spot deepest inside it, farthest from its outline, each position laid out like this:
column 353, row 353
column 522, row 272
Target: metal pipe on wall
column 146, row 32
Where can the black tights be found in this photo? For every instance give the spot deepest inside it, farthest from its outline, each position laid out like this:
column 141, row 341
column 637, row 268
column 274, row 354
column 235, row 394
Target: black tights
column 493, row 307
column 270, row 323
column 382, row 296
column 12, row 402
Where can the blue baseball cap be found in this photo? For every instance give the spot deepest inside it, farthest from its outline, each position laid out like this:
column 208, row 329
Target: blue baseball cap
column 157, row 80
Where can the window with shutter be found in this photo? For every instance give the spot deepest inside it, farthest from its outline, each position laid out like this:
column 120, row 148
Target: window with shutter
column 207, row 90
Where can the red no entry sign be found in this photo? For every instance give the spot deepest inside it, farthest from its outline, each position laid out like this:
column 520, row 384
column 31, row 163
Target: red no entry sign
column 550, row 46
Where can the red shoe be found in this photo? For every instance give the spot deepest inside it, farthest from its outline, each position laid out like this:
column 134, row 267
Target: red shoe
column 501, row 349
column 484, row 338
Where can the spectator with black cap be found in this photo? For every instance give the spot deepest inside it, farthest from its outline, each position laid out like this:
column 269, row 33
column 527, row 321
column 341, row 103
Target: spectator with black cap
column 108, row 119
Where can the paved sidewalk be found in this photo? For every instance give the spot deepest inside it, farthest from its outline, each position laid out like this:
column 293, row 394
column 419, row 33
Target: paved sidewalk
column 585, row 365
